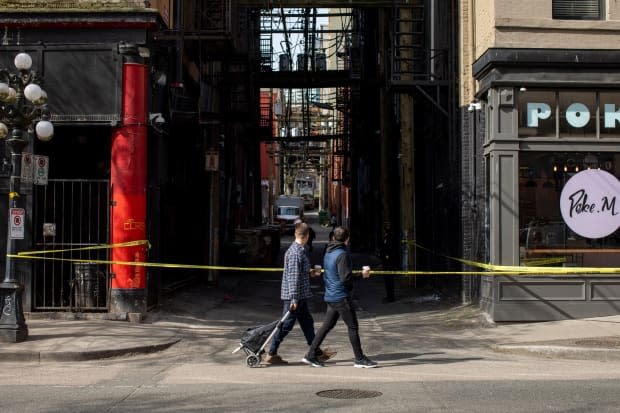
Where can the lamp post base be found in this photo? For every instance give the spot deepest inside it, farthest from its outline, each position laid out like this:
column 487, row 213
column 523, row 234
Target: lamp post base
column 13, row 335
column 13, row 328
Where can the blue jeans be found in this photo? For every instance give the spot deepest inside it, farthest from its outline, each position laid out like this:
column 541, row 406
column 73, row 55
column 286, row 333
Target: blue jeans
column 301, row 314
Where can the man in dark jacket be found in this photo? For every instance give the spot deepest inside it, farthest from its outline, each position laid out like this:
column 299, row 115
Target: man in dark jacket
column 338, row 277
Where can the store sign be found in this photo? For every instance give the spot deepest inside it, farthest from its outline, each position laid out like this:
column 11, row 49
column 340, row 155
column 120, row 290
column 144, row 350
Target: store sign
column 590, row 203
column 577, row 114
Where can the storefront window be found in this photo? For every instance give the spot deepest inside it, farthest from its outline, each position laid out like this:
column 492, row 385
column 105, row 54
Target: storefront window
column 609, row 124
column 569, row 114
column 544, row 238
column 577, row 114
column 537, row 113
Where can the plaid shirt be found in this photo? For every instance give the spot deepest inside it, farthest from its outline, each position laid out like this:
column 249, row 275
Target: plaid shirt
column 296, row 275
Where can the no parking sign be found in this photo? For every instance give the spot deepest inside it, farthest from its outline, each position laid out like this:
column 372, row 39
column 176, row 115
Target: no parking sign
column 35, row 168
column 41, row 167
column 17, row 217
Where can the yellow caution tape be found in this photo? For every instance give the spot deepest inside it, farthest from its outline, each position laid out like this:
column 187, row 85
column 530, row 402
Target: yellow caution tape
column 92, row 247
column 485, row 269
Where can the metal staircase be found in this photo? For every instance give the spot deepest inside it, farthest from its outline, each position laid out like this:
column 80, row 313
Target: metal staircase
column 410, row 57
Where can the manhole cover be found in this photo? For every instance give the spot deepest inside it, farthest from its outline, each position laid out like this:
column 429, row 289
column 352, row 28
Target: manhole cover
column 349, row 394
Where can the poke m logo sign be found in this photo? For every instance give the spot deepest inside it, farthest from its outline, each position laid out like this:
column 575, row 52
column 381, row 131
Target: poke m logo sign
column 590, row 203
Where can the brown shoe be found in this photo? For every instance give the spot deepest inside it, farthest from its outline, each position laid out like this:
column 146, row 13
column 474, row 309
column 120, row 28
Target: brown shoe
column 275, row 359
column 327, row 354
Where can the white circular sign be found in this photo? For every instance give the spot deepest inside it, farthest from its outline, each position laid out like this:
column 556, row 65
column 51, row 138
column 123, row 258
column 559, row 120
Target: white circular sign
column 590, row 203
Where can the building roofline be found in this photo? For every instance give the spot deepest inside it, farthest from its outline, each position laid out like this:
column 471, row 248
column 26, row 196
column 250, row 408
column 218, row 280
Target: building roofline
column 559, row 58
column 143, row 18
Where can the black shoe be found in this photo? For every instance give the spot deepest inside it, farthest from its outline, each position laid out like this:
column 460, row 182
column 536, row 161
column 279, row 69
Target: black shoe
column 386, row 300
column 312, row 361
column 365, row 363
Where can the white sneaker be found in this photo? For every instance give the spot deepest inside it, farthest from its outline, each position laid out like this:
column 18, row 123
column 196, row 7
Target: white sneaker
column 312, row 362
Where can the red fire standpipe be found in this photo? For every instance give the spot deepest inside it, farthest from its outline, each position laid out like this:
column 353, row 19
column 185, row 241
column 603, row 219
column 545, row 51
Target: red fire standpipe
column 128, row 185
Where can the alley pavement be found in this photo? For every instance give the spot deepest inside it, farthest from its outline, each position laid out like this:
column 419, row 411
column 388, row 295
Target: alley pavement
column 246, row 298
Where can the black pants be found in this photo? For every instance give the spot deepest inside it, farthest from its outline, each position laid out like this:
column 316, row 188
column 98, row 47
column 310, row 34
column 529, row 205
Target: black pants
column 345, row 310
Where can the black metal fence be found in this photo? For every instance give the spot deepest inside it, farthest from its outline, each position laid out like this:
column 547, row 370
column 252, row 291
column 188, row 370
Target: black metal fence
column 70, row 217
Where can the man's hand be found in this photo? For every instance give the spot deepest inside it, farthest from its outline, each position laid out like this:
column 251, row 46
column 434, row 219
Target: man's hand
column 293, row 306
column 316, row 271
column 365, row 271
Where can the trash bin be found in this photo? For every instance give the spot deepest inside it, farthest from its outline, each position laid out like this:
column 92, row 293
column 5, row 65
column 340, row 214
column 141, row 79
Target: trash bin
column 323, row 220
column 87, row 286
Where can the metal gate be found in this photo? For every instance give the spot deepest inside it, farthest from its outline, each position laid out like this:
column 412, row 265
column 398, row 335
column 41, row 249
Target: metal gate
column 71, row 215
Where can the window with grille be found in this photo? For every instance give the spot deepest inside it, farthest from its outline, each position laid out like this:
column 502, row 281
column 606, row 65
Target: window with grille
column 578, row 9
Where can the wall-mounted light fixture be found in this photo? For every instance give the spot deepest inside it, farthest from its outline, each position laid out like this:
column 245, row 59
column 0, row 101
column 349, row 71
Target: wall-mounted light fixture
column 474, row 106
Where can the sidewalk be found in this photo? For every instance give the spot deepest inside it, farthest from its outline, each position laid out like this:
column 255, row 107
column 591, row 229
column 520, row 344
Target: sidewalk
column 89, row 339
column 78, row 340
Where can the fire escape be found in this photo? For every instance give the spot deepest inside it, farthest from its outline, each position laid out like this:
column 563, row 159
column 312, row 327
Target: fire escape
column 306, row 70
column 416, row 61
column 422, row 63
column 211, row 48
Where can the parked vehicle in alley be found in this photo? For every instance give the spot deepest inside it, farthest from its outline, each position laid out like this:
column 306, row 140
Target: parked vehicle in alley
column 289, row 209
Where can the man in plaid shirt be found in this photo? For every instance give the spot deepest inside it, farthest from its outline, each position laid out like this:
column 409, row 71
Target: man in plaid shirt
column 295, row 292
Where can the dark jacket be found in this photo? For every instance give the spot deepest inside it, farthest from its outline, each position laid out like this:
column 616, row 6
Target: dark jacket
column 338, row 272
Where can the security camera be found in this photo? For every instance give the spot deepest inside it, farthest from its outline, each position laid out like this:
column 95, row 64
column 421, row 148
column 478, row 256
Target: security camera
column 156, row 118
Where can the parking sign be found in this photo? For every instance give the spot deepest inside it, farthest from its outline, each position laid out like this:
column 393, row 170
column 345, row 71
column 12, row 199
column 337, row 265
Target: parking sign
column 41, row 167
column 17, row 217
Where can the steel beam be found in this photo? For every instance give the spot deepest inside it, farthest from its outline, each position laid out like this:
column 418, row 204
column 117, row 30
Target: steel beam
column 267, row 4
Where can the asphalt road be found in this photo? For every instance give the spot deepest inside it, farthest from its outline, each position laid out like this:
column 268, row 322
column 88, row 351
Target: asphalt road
column 436, row 385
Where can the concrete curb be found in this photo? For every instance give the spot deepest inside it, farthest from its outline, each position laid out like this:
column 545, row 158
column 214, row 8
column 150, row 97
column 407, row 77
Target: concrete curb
column 557, row 351
column 84, row 355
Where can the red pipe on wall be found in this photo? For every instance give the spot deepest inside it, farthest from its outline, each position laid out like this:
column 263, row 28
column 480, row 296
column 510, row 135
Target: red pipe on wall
column 128, row 184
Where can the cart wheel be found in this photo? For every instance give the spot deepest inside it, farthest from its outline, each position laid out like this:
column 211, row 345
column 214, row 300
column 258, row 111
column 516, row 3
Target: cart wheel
column 252, row 361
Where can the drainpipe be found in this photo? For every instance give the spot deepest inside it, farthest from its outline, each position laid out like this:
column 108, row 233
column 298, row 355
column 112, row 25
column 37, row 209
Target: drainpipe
column 128, row 190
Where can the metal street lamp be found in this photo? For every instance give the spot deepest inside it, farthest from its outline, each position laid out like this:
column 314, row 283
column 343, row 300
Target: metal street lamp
column 23, row 113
